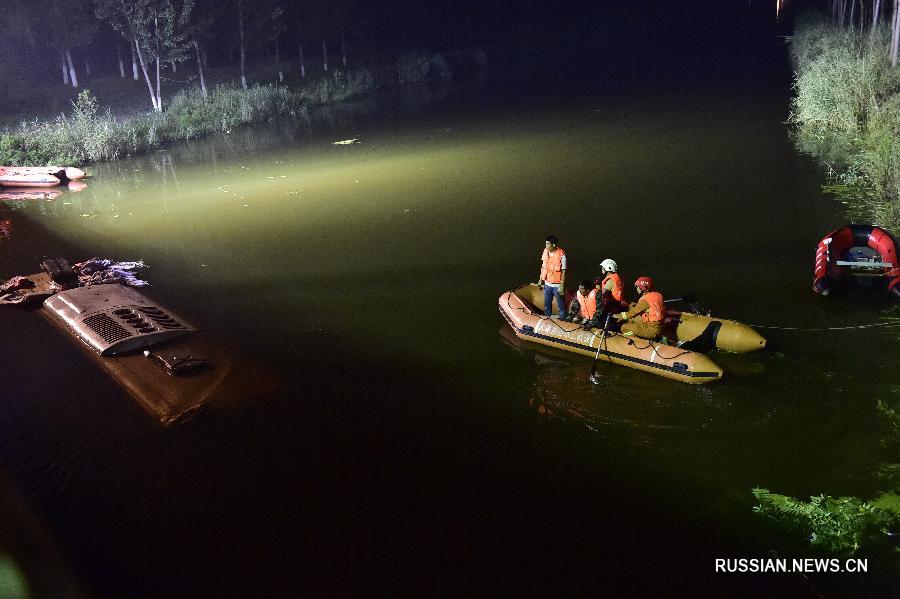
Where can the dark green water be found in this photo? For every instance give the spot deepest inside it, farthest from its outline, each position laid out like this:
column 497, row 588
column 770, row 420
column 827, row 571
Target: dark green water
column 414, row 449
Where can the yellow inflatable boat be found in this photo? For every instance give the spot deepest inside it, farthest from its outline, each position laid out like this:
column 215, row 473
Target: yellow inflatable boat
column 523, row 309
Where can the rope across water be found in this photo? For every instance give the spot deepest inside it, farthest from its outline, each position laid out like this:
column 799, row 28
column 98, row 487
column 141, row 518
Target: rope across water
column 885, row 325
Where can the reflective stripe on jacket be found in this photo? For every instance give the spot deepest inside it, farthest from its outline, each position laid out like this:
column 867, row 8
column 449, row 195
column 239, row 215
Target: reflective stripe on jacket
column 551, row 266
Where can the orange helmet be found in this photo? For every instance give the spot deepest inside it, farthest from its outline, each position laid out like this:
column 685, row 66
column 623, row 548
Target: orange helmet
column 644, row 283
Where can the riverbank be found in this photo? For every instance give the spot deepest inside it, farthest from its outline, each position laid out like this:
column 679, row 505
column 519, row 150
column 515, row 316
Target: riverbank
column 847, row 114
column 95, row 131
column 92, row 134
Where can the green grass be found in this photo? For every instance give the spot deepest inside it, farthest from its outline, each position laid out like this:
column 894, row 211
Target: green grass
column 846, row 525
column 91, row 134
column 847, row 112
column 111, row 116
column 836, row 524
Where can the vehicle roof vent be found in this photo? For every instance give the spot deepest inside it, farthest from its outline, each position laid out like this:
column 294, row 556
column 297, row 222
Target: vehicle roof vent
column 113, row 319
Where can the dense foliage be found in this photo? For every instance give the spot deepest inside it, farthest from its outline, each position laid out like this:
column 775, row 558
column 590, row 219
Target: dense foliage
column 847, row 109
column 848, row 524
column 836, row 524
column 90, row 134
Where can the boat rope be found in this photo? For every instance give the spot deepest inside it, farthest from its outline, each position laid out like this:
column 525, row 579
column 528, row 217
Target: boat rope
column 632, row 340
column 886, row 325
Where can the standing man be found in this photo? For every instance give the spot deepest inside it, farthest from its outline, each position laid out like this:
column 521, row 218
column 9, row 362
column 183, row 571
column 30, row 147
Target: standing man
column 553, row 276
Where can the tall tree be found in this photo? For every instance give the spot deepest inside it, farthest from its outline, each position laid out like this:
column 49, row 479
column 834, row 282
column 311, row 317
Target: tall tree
column 132, row 19
column 895, row 33
column 257, row 22
column 121, row 61
column 297, row 16
column 170, row 42
column 22, row 19
column 206, row 14
column 158, row 30
column 134, row 60
column 79, row 30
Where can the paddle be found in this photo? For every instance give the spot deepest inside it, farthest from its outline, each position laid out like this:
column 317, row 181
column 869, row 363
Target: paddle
column 689, row 298
column 693, row 306
column 593, row 377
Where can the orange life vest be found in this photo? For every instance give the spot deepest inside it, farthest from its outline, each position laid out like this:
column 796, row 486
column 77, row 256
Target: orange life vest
column 588, row 304
column 617, row 290
column 551, row 266
column 657, row 310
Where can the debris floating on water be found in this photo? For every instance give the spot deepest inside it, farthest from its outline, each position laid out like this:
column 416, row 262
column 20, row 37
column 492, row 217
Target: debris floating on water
column 346, row 142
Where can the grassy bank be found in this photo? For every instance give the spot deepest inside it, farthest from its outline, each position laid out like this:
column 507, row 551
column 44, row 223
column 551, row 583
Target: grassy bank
column 109, row 119
column 91, row 133
column 847, row 113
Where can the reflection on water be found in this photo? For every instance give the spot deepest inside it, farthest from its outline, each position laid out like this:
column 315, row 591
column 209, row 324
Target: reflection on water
column 368, row 274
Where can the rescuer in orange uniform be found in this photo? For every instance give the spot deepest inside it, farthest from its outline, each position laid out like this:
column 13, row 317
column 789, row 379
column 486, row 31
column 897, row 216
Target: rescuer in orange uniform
column 584, row 306
column 553, row 276
column 650, row 308
column 612, row 291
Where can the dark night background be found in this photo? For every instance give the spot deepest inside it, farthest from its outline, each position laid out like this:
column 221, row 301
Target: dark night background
column 583, row 46
column 536, row 530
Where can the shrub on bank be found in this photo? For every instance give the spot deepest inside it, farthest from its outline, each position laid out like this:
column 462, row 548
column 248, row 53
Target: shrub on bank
column 847, row 109
column 837, row 524
column 340, row 86
column 416, row 66
column 90, row 134
column 842, row 77
column 412, row 67
column 190, row 115
column 87, row 135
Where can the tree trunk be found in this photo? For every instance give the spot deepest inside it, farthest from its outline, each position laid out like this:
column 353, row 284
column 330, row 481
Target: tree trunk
column 72, row 77
column 875, row 11
column 278, row 61
column 852, row 13
column 87, row 68
column 158, row 94
column 65, row 68
column 302, row 61
column 241, row 36
column 895, row 32
column 134, row 63
column 121, row 62
column 200, row 67
column 156, row 105
column 324, row 55
column 344, row 49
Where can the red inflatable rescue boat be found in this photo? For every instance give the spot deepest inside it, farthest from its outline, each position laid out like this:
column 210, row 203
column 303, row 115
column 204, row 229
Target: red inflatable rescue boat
column 857, row 257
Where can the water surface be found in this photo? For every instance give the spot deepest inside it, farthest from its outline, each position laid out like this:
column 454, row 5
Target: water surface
column 419, row 446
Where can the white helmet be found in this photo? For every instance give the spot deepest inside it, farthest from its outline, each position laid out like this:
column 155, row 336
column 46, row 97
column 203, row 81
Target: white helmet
column 609, row 265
